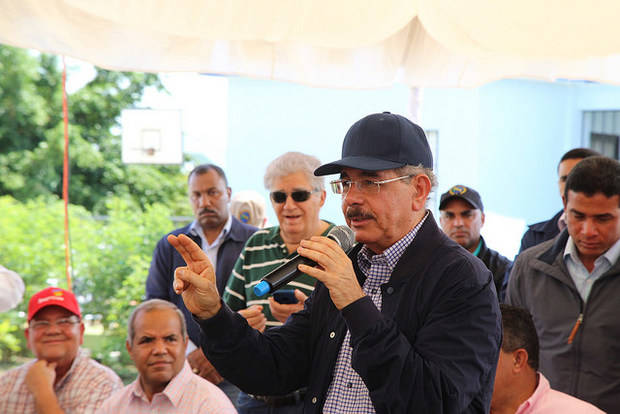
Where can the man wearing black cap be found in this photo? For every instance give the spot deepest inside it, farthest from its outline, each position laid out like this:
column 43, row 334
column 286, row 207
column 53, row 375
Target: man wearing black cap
column 462, row 217
column 404, row 322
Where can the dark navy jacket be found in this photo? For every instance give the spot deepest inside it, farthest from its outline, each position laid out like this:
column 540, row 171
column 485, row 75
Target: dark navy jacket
column 540, row 232
column 433, row 347
column 166, row 259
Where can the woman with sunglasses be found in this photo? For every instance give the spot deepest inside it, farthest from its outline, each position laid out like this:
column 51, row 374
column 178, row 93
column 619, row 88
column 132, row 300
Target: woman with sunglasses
column 297, row 196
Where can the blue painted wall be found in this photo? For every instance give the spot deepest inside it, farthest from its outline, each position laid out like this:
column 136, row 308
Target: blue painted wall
column 267, row 119
column 504, row 138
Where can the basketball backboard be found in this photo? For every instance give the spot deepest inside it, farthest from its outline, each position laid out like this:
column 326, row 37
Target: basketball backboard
column 151, row 136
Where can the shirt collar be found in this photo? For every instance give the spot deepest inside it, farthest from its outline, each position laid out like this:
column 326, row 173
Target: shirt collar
column 477, row 251
column 173, row 391
column 80, row 355
column 611, row 255
column 274, row 235
column 570, row 250
column 196, row 229
column 613, row 252
column 539, row 393
column 392, row 254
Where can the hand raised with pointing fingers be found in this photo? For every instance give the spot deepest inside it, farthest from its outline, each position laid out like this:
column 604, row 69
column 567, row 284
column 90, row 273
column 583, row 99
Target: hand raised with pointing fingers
column 196, row 281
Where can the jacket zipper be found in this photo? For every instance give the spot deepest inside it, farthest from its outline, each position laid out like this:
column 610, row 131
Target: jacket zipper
column 573, row 332
column 577, row 345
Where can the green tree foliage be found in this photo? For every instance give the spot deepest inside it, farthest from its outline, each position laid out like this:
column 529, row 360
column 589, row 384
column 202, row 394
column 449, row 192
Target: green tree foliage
column 110, row 259
column 32, row 136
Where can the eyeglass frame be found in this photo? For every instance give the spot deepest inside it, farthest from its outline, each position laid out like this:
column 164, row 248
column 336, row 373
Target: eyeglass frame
column 292, row 195
column 335, row 183
column 62, row 323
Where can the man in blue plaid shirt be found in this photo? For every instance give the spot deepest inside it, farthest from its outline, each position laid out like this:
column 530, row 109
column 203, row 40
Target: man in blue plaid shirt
column 407, row 321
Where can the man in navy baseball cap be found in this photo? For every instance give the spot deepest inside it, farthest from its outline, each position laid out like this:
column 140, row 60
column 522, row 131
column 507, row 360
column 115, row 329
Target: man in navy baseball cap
column 385, row 179
column 403, row 320
column 381, row 142
column 461, row 215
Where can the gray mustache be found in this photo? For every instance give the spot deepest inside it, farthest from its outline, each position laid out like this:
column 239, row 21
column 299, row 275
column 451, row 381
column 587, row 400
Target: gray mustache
column 358, row 213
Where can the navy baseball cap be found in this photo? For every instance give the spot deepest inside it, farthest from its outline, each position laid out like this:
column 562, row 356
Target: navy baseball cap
column 464, row 193
column 381, row 142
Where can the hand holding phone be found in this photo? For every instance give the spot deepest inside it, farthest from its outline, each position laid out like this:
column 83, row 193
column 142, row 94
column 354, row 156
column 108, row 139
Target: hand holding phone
column 285, row 296
column 283, row 303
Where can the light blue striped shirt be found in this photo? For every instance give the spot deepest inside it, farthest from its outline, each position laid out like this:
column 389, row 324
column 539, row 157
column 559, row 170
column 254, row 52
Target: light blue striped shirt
column 581, row 277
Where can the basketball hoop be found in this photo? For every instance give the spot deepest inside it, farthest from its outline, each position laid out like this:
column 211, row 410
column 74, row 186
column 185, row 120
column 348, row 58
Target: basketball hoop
column 152, row 136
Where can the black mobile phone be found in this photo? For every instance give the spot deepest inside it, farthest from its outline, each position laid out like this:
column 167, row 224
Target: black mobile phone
column 285, row 296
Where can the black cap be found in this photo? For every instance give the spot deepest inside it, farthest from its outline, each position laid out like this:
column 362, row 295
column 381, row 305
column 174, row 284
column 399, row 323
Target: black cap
column 381, row 142
column 464, row 193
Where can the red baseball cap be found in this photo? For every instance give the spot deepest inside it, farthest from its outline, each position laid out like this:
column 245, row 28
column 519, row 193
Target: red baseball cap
column 53, row 296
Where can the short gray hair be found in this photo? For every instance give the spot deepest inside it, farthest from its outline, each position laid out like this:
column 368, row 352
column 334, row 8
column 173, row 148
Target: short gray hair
column 149, row 305
column 293, row 162
column 416, row 170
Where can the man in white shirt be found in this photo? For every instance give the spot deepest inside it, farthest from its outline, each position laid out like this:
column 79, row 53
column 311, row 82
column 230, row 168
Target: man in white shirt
column 220, row 236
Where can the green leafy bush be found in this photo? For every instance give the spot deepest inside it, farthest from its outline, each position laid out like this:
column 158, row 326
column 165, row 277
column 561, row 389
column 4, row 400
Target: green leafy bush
column 109, row 257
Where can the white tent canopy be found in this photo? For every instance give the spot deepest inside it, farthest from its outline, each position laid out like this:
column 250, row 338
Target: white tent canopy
column 346, row 43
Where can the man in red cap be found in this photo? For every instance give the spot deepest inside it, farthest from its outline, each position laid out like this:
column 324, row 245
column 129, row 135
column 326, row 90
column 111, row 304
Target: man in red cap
column 63, row 379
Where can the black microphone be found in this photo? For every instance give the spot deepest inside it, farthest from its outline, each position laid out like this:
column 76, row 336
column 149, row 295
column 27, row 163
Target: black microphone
column 281, row 275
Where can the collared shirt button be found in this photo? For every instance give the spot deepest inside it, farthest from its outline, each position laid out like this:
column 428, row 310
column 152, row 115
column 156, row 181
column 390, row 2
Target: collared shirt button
column 314, row 400
column 389, row 290
column 332, row 334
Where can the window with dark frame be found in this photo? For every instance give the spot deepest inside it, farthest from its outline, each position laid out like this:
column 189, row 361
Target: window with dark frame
column 601, row 132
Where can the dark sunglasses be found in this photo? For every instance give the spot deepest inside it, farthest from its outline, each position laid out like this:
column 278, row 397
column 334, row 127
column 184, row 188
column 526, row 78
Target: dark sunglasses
column 298, row 196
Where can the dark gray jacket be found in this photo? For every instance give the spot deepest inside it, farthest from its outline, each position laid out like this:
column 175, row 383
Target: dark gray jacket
column 589, row 367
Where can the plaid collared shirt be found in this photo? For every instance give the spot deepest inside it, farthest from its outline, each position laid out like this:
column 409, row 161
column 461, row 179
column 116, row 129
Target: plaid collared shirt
column 347, row 393
column 81, row 391
column 186, row 393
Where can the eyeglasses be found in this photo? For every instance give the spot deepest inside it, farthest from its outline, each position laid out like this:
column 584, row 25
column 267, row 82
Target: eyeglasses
column 63, row 323
column 298, row 196
column 343, row 186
